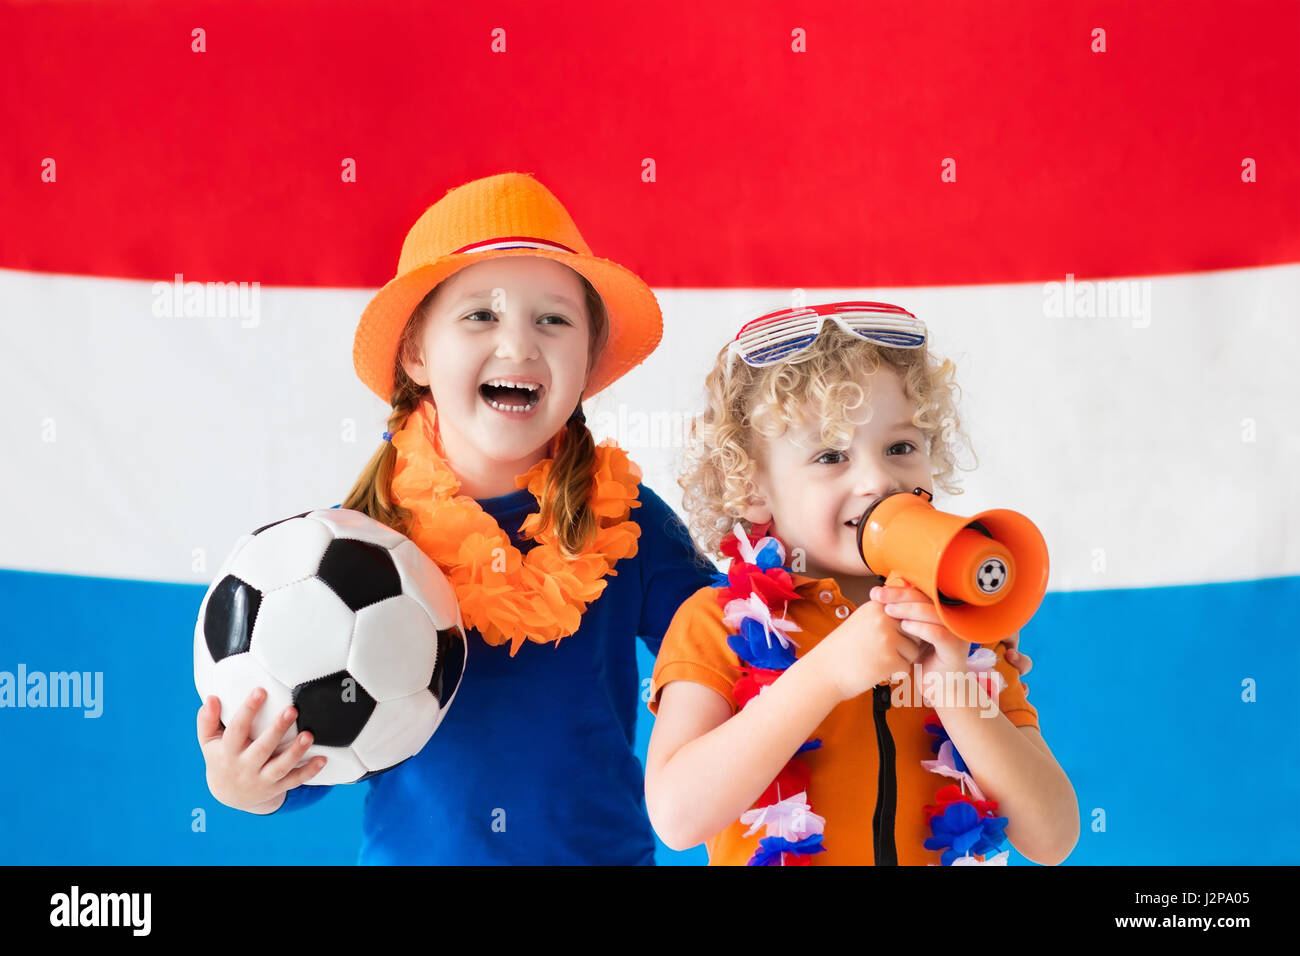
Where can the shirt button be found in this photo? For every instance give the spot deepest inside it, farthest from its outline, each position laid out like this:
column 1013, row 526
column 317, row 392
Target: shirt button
column 826, row 597
column 841, row 612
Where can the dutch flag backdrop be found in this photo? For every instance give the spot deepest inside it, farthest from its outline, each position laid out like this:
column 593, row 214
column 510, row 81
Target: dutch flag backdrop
column 1095, row 209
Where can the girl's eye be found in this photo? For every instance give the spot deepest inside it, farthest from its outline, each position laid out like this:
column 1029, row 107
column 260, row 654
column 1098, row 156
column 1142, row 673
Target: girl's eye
column 837, row 455
column 489, row 316
column 903, row 444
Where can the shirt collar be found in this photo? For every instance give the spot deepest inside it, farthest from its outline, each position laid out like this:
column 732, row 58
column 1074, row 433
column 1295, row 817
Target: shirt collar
column 802, row 582
column 814, row 586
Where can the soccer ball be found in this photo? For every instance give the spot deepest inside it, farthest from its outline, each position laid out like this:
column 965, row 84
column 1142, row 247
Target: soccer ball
column 345, row 619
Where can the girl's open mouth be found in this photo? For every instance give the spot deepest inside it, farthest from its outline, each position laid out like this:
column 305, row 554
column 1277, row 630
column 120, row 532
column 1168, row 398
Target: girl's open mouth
column 516, row 398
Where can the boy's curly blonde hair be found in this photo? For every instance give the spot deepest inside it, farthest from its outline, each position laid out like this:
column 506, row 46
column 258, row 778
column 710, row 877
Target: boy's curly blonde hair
column 747, row 406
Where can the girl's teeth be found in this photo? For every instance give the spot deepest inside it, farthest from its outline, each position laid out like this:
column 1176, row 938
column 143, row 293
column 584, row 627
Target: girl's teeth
column 519, row 398
column 518, row 409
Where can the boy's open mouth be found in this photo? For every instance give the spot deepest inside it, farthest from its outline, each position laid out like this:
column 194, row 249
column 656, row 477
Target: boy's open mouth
column 511, row 395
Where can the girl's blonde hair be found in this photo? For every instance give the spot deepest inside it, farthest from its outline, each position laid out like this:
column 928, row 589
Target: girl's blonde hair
column 564, row 499
column 747, row 406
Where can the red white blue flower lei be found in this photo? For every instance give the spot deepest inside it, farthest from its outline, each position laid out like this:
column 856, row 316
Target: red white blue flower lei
column 756, row 585
column 964, row 826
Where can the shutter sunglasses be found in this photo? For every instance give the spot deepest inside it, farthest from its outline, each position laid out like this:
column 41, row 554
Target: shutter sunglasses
column 779, row 335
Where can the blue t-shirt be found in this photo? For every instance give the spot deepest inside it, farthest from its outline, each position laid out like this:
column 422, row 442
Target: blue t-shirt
column 534, row 762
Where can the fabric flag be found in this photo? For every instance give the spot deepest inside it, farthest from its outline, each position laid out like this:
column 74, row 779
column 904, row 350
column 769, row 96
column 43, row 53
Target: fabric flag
column 1095, row 212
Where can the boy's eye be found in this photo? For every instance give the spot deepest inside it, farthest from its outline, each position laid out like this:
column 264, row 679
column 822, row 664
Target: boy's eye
column 559, row 320
column 485, row 312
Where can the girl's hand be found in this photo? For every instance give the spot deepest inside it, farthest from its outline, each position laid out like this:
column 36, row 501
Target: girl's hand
column 243, row 774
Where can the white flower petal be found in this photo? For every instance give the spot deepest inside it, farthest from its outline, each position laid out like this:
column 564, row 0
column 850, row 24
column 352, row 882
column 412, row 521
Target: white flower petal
column 998, row 860
column 746, row 549
column 790, row 819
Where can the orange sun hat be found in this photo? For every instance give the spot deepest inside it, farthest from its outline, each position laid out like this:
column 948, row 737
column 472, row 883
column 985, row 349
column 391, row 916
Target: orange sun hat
column 509, row 214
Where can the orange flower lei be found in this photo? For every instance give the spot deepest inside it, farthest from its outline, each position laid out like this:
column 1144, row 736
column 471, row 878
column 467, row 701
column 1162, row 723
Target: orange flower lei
column 540, row 596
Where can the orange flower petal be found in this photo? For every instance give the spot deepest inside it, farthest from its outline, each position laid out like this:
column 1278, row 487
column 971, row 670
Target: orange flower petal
column 538, row 597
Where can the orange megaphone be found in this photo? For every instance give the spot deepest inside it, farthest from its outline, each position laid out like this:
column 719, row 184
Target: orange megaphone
column 986, row 574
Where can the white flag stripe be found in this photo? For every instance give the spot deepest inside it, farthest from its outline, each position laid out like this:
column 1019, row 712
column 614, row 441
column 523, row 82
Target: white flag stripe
column 1153, row 445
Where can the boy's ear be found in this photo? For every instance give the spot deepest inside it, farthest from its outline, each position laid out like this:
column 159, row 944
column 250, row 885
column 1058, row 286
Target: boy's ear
column 757, row 512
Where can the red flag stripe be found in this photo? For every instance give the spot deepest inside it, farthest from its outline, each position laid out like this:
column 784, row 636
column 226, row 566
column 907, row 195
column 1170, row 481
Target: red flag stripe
column 773, row 168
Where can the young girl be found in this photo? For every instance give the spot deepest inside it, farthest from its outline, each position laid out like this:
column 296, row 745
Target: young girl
column 778, row 738
column 499, row 322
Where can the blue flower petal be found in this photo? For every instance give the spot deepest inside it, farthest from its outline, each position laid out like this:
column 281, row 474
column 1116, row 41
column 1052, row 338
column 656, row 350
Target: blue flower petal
column 751, row 646
column 770, row 849
column 958, row 762
column 993, row 835
column 957, row 818
column 940, row 736
column 963, row 842
column 768, row 556
column 741, row 647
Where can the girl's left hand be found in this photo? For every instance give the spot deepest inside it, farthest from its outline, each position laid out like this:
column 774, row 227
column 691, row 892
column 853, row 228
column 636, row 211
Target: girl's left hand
column 917, row 616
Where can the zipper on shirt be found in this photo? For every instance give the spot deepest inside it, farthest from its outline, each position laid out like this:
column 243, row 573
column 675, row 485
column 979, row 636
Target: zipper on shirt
column 882, row 823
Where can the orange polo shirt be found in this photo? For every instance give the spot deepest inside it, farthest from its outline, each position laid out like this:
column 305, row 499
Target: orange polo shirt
column 846, row 783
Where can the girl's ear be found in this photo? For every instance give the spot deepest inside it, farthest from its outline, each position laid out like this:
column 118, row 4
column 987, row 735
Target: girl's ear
column 416, row 370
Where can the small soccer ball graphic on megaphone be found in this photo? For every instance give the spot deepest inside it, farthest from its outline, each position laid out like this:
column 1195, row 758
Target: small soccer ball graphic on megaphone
column 986, row 574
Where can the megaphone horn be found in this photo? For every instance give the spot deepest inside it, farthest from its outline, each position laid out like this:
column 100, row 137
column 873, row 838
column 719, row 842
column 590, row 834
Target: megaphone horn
column 986, row 574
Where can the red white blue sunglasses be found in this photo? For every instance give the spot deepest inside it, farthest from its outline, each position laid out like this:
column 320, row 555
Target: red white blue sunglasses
column 777, row 336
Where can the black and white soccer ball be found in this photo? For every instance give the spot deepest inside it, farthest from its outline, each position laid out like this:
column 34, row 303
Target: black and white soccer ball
column 991, row 576
column 345, row 619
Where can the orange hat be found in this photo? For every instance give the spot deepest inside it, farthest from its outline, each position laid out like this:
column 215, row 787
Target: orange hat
column 510, row 214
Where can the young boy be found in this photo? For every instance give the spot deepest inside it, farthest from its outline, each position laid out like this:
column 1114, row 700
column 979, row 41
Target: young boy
column 822, row 764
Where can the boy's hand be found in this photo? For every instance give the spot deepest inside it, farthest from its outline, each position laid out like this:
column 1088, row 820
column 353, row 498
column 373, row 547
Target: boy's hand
column 947, row 652
column 918, row 617
column 1021, row 662
column 866, row 649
